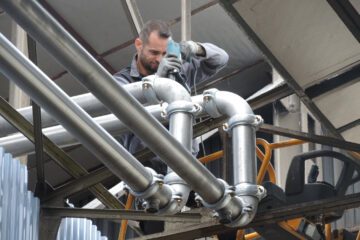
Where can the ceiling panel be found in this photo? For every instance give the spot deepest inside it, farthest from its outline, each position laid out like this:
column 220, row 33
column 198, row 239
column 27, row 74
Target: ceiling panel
column 307, row 37
column 169, row 10
column 102, row 23
column 47, row 63
column 70, row 85
column 121, row 58
column 341, row 105
column 352, row 135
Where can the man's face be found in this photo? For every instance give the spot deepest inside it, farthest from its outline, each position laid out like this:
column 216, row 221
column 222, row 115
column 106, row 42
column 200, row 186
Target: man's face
column 150, row 54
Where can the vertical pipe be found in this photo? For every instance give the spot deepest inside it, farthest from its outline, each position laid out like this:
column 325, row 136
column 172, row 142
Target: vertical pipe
column 181, row 128
column 185, row 20
column 244, row 154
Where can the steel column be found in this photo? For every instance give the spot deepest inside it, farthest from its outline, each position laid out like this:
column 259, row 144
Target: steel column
column 185, row 20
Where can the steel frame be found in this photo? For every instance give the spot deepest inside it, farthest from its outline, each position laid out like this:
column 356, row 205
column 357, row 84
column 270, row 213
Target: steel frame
column 265, row 217
column 87, row 180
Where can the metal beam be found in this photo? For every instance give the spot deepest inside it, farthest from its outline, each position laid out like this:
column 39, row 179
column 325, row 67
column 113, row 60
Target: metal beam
column 39, row 153
column 349, row 126
column 91, row 179
column 275, row 215
column 325, row 140
column 58, row 155
column 133, row 14
column 348, row 14
column 121, row 214
column 233, row 73
column 185, row 20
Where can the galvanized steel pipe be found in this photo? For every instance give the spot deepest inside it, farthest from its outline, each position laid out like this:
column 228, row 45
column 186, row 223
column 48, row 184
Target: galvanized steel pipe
column 240, row 209
column 86, row 101
column 17, row 144
column 180, row 110
column 42, row 27
column 39, row 87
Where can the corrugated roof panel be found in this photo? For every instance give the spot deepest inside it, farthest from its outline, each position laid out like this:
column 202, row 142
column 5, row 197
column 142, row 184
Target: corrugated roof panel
column 19, row 209
column 78, row 229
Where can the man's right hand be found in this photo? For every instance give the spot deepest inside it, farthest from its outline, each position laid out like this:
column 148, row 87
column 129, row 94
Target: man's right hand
column 169, row 62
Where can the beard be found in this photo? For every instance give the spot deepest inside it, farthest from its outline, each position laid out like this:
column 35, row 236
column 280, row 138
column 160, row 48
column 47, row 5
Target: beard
column 146, row 63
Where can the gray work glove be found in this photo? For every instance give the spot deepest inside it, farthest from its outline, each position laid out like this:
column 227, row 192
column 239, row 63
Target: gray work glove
column 189, row 49
column 169, row 62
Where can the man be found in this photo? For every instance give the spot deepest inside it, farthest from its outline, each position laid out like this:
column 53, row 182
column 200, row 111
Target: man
column 200, row 62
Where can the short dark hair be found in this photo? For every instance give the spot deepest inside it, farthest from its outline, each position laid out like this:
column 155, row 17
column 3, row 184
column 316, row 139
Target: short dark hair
column 158, row 26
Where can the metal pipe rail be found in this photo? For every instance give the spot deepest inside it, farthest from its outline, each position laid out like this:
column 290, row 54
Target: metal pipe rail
column 42, row 27
column 18, row 145
column 36, row 84
column 86, row 101
column 244, row 197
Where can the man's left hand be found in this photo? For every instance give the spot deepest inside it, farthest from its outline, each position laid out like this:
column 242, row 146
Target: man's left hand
column 191, row 48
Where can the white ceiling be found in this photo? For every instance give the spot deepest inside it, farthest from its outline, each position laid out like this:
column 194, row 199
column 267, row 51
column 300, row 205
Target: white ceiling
column 313, row 45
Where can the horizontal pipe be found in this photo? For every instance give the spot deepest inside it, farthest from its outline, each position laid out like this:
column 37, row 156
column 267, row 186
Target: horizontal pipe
column 18, row 145
column 42, row 27
column 86, row 101
column 41, row 89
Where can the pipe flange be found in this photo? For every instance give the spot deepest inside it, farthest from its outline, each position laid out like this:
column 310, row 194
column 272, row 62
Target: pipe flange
column 174, row 205
column 210, row 104
column 157, row 180
column 247, row 189
column 253, row 120
column 181, row 106
column 239, row 220
column 148, row 89
column 223, row 202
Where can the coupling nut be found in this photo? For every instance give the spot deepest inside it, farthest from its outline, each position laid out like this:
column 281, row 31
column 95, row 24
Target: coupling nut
column 210, row 104
column 247, row 189
column 181, row 106
column 148, row 89
column 249, row 119
column 157, row 180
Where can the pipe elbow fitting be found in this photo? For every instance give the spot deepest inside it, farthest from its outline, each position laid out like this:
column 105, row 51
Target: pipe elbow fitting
column 157, row 195
column 156, row 89
column 218, row 103
column 249, row 196
column 248, row 211
column 179, row 187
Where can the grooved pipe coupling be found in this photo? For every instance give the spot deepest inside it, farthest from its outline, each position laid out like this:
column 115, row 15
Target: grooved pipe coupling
column 239, row 119
column 149, row 91
column 210, row 104
column 152, row 202
column 156, row 182
column 222, row 206
column 181, row 106
column 248, row 189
